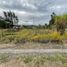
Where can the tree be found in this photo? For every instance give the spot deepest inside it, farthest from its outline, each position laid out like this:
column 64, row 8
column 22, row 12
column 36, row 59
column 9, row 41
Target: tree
column 11, row 18
column 60, row 22
column 51, row 22
column 2, row 24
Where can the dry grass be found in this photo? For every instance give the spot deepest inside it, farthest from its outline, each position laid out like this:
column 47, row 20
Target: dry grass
column 30, row 35
column 58, row 60
column 32, row 38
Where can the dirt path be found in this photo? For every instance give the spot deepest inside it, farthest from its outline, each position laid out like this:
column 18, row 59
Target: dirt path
column 32, row 51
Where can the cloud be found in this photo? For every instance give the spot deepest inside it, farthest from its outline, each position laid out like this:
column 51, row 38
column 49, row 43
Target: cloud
column 34, row 11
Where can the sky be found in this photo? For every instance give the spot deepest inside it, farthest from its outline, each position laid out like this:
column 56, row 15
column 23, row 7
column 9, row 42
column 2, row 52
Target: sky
column 33, row 12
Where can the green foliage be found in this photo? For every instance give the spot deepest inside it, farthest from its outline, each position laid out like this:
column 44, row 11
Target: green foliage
column 52, row 21
column 11, row 18
column 60, row 22
column 2, row 24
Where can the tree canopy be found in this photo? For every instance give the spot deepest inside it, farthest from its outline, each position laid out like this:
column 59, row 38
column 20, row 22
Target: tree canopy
column 60, row 21
column 11, row 18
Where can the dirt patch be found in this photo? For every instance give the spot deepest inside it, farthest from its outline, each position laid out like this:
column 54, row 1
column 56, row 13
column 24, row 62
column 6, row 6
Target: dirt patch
column 34, row 45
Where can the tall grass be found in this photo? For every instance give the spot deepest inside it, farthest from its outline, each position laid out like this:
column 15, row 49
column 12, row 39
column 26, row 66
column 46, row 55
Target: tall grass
column 30, row 35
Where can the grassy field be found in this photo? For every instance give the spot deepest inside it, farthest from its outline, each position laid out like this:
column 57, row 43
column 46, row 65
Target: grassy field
column 58, row 60
column 30, row 35
column 32, row 38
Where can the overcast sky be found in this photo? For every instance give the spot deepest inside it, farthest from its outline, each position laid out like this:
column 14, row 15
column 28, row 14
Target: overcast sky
column 34, row 11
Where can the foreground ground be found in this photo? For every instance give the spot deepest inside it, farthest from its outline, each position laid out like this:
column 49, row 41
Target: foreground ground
column 44, row 60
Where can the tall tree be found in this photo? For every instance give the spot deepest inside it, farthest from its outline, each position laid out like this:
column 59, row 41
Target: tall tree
column 11, row 18
column 60, row 21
